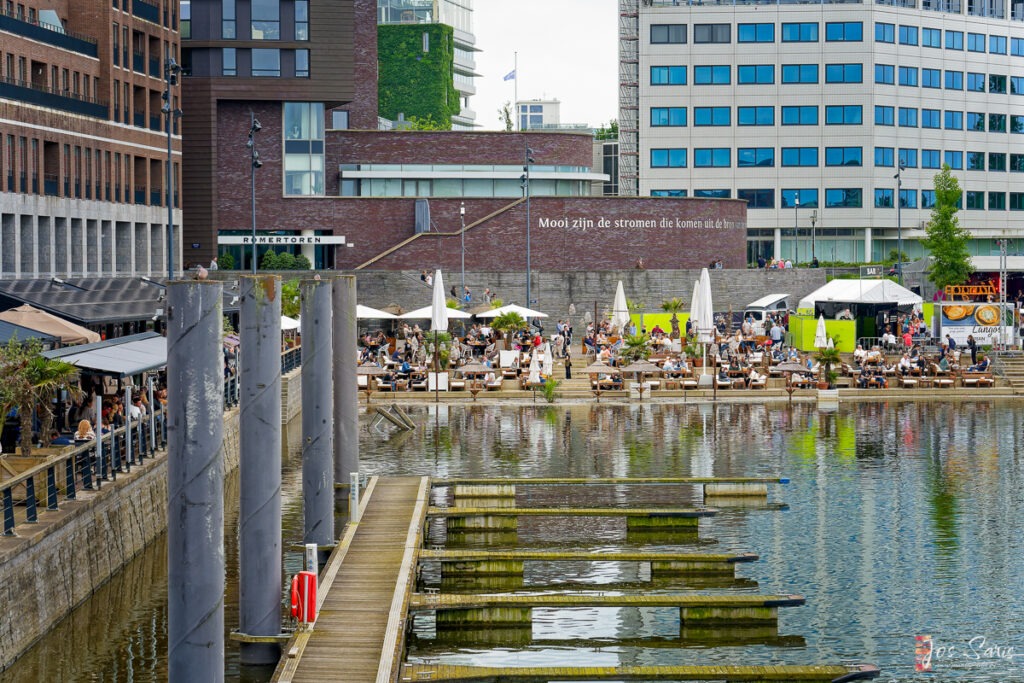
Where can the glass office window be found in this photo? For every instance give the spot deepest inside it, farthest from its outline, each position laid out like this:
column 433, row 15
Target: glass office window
column 1017, row 123
column 997, row 84
column 954, row 159
column 1017, row 201
column 885, row 74
column 228, row 29
column 908, row 75
column 844, row 198
column 931, row 158
column 799, row 73
column 712, row 157
column 755, row 33
column 844, row 156
column 229, row 62
column 883, row 198
column 302, row 63
column 997, row 44
column 997, row 201
column 711, row 75
column 669, row 193
column 712, row 116
column 931, row 37
column 805, row 115
column 1017, row 85
column 304, row 148
column 1017, row 163
column 975, row 200
column 1017, row 47
column 844, row 115
column 954, row 40
column 908, row 35
column 975, row 42
column 668, row 158
column 266, row 62
column 749, row 74
column 884, row 115
column 908, row 199
column 885, row 33
column 976, row 121
column 907, row 157
column 954, row 80
column 763, row 157
column 712, row 33
column 805, row 32
column 266, row 19
column 908, row 117
column 799, row 156
column 931, row 118
column 997, row 123
column 975, row 161
column 808, row 198
column 757, row 199
column 668, row 116
column 668, row 75
column 844, row 31
column 755, row 116
column 884, row 156
column 954, row 120
column 927, row 199
column 712, row 194
column 997, row 161
column 844, row 73
column 668, row 33
column 931, row 78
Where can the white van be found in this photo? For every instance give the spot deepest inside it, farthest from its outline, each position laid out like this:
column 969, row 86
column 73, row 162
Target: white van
column 757, row 310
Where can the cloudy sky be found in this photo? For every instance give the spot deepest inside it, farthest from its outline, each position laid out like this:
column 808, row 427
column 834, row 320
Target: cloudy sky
column 568, row 50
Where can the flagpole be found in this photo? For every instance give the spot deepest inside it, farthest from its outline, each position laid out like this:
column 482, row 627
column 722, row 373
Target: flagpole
column 515, row 90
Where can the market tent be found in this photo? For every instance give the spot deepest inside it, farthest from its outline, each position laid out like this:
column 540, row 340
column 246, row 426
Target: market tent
column 121, row 357
column 47, row 323
column 860, row 292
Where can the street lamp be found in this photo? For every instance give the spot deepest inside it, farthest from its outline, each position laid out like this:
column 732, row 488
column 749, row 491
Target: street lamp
column 254, row 159
column 171, row 72
column 814, row 219
column 796, row 230
column 899, row 225
column 462, row 233
column 525, row 184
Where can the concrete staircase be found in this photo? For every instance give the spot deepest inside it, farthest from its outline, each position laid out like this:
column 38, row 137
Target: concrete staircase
column 1011, row 369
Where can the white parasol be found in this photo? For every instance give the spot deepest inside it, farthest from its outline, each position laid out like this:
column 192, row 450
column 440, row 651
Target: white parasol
column 620, row 309
column 511, row 308
column 427, row 312
column 820, row 335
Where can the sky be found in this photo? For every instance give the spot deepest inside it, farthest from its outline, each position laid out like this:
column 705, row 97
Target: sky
column 568, row 50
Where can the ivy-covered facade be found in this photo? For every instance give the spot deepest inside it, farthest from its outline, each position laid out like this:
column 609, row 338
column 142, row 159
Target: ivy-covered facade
column 416, row 73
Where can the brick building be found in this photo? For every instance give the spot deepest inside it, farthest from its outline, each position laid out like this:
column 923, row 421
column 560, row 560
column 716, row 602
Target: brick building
column 330, row 185
column 83, row 142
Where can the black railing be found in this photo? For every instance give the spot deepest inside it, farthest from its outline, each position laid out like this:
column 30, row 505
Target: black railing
column 140, row 196
column 50, row 184
column 140, row 120
column 154, row 197
column 67, row 186
column 82, row 466
column 154, row 123
column 78, row 189
column 24, row 91
column 47, row 33
column 139, row 62
column 10, row 181
column 146, row 10
column 154, row 67
column 35, row 184
column 291, row 359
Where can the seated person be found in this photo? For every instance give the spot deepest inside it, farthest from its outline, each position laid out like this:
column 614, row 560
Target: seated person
column 84, row 432
column 752, row 377
column 982, row 365
column 859, row 355
column 943, row 364
column 904, row 366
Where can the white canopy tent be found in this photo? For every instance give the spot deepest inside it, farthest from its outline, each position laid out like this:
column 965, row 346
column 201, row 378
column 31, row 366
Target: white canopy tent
column 861, row 292
column 512, row 308
column 426, row 313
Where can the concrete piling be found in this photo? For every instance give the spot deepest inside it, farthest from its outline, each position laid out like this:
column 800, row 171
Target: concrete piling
column 346, row 391
column 259, row 566
column 100, row 472
column 195, row 482
column 317, row 413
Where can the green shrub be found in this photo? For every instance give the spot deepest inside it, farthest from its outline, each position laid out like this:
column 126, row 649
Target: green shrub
column 226, row 261
column 550, row 389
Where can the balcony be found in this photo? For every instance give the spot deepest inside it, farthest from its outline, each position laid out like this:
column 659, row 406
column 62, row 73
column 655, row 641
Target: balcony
column 154, row 197
column 48, row 34
column 23, row 91
column 50, row 184
column 154, row 123
column 140, row 120
column 154, row 68
column 140, row 196
column 139, row 62
column 146, row 10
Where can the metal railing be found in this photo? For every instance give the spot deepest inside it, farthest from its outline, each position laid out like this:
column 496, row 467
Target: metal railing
column 291, row 359
column 87, row 465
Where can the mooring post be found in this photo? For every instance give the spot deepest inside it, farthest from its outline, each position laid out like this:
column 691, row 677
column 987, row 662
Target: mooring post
column 317, row 413
column 100, row 470
column 353, row 497
column 128, row 426
column 346, row 390
column 259, row 511
column 152, row 419
column 195, row 482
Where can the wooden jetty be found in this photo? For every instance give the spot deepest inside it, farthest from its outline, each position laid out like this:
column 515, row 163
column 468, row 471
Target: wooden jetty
column 510, row 562
column 465, row 487
column 363, row 591
column 541, row 674
column 499, row 518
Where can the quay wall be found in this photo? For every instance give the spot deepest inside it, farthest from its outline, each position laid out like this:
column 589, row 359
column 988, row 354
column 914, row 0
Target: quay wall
column 49, row 568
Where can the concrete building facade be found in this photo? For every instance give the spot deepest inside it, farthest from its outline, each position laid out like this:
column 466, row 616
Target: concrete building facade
column 83, row 141
column 807, row 111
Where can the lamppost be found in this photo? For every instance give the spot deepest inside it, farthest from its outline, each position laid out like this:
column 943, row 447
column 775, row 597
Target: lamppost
column 796, row 230
column 171, row 71
column 814, row 219
column 254, row 158
column 525, row 184
column 899, row 225
column 462, row 233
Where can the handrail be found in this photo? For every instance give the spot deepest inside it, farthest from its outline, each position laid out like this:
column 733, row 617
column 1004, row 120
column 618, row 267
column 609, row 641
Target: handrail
column 49, row 27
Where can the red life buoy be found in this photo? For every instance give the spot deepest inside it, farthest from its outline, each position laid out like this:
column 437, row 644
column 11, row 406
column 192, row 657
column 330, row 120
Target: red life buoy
column 295, row 596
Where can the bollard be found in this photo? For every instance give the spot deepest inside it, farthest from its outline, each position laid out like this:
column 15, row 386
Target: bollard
column 353, row 497
column 259, row 548
column 346, row 390
column 317, row 413
column 195, row 483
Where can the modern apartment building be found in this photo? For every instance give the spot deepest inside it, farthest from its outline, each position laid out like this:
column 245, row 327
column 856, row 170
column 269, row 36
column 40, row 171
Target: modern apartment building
column 808, row 110
column 455, row 13
column 83, row 138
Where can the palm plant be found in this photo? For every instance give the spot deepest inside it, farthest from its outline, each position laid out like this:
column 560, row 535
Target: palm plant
column 634, row 347
column 827, row 358
column 508, row 323
column 674, row 306
column 27, row 380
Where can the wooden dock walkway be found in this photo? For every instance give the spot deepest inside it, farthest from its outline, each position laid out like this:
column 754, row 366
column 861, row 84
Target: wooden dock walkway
column 459, row 555
column 541, row 674
column 362, row 610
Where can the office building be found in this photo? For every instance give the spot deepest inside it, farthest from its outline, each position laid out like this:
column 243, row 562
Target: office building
column 808, row 110
column 83, row 141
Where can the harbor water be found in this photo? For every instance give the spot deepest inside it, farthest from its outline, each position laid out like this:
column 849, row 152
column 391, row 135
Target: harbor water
column 902, row 519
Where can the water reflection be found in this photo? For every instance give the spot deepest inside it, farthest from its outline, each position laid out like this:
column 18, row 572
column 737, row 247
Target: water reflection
column 904, row 519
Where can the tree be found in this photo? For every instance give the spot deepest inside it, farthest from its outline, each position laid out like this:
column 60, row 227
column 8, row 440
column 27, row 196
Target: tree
column 226, row 260
column 291, row 301
column 285, row 261
column 27, row 380
column 609, row 132
column 673, row 306
column 505, row 116
column 946, row 239
column 507, row 323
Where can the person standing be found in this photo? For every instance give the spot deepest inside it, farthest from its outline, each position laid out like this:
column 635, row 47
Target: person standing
column 568, row 365
column 973, row 347
column 213, row 264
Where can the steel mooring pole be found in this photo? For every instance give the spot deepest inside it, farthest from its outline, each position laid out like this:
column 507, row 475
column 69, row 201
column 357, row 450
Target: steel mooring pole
column 259, row 548
column 195, row 482
column 317, row 414
column 346, row 390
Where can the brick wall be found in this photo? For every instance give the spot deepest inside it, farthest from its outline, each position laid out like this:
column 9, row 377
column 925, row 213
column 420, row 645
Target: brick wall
column 363, row 108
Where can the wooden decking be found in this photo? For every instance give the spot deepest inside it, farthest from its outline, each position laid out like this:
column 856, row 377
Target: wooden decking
column 540, row 674
column 361, row 620
column 459, row 555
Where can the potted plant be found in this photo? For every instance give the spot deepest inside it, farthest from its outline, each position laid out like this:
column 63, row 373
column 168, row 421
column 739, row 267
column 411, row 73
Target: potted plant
column 827, row 358
column 692, row 351
column 508, row 323
column 673, row 306
column 634, row 347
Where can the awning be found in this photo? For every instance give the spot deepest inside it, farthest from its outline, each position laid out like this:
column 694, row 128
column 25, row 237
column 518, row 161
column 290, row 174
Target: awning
column 49, row 324
column 10, row 331
column 120, row 357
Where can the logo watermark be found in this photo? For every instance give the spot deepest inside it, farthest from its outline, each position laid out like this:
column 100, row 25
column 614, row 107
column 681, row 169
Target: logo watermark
column 978, row 651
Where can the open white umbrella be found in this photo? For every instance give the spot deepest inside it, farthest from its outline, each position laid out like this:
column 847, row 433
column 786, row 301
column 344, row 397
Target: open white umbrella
column 367, row 313
column 288, row 323
column 620, row 309
column 820, row 335
column 512, row 308
column 427, row 313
